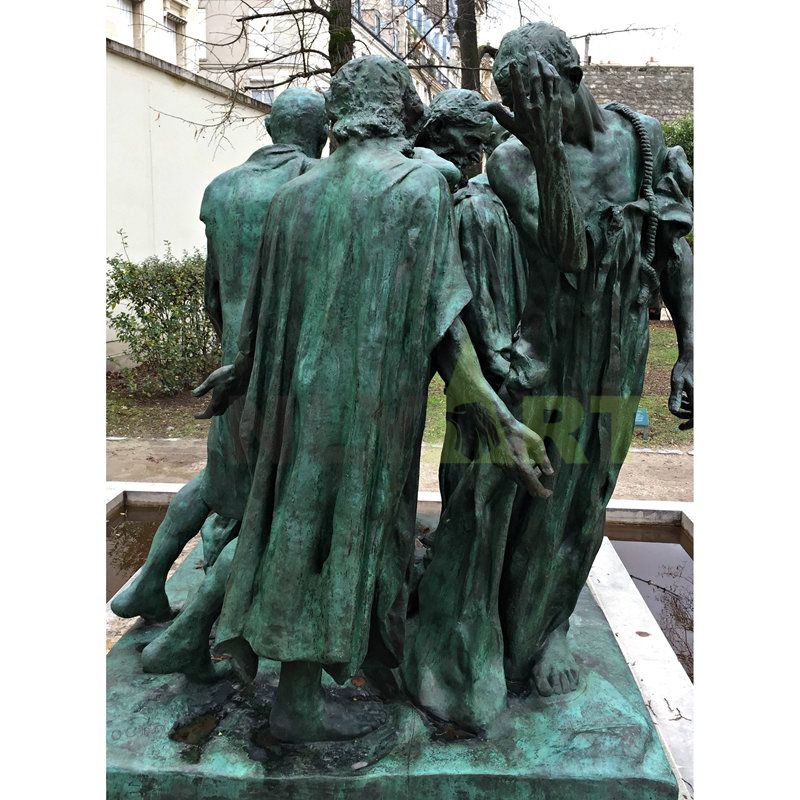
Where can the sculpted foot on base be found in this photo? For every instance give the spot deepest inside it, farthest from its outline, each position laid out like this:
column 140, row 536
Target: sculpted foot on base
column 171, row 652
column 184, row 646
column 302, row 713
column 555, row 670
column 146, row 597
column 143, row 600
column 333, row 721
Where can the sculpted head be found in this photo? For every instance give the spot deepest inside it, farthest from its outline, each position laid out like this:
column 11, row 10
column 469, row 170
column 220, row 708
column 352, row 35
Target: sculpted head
column 457, row 127
column 373, row 98
column 298, row 118
column 521, row 47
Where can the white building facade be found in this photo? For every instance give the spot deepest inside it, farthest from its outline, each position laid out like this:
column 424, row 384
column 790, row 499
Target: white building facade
column 262, row 56
column 171, row 69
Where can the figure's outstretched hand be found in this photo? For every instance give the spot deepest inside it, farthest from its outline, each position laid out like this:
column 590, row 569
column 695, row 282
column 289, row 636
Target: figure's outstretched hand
column 221, row 383
column 681, row 399
column 536, row 120
column 523, row 444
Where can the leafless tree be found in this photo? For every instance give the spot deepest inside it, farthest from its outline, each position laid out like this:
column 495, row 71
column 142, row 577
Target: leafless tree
column 305, row 56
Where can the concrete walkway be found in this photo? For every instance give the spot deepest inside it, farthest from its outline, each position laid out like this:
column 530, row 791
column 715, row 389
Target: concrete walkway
column 644, row 476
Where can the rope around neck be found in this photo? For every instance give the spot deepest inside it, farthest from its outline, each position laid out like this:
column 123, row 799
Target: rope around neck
column 647, row 275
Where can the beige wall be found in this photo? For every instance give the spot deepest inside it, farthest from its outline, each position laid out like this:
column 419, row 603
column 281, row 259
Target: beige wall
column 158, row 166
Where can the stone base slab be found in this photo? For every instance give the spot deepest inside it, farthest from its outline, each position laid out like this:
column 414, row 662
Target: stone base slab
column 170, row 739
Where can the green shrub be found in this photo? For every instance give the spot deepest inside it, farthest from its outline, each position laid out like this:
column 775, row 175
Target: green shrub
column 156, row 309
column 681, row 132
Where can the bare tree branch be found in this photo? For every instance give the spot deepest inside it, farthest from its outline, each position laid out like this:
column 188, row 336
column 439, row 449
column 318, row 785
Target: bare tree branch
column 425, row 37
column 312, row 9
column 270, row 61
column 629, row 29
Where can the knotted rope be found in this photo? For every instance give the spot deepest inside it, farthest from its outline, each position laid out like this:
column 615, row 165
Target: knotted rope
column 647, row 275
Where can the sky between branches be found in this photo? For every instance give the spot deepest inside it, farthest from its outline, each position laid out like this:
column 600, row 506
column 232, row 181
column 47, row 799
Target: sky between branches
column 670, row 46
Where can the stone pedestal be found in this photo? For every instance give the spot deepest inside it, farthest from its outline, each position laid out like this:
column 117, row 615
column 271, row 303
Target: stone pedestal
column 171, row 739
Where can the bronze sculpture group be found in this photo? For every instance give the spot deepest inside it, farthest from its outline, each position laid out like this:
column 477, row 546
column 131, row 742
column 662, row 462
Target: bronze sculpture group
column 338, row 287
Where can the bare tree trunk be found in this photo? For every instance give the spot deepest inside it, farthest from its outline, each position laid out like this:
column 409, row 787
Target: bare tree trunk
column 341, row 45
column 467, row 32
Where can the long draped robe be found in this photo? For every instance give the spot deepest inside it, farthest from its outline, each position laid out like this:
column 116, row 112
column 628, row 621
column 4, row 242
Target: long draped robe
column 496, row 271
column 234, row 207
column 358, row 280
column 598, row 341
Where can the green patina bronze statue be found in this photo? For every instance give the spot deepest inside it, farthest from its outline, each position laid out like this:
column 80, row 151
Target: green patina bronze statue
column 457, row 129
column 498, row 135
column 601, row 206
column 338, row 288
column 355, row 300
column 233, row 209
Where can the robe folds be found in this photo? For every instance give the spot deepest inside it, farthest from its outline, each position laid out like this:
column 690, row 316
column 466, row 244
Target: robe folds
column 507, row 567
column 496, row 271
column 233, row 210
column 598, row 357
column 358, row 279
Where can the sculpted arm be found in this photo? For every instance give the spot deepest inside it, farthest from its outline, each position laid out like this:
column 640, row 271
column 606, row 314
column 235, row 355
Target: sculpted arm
column 230, row 381
column 213, row 303
column 225, row 384
column 562, row 231
column 674, row 263
column 677, row 289
column 508, row 440
column 512, row 175
column 558, row 227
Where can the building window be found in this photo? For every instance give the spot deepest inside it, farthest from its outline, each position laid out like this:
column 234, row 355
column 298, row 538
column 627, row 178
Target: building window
column 172, row 34
column 122, row 29
column 264, row 94
column 175, row 17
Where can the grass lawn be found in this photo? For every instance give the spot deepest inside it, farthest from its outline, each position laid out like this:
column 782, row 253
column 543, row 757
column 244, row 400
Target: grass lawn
column 660, row 360
column 167, row 417
column 152, row 417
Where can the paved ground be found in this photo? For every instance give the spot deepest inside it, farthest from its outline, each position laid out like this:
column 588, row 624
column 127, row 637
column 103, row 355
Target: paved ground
column 644, row 476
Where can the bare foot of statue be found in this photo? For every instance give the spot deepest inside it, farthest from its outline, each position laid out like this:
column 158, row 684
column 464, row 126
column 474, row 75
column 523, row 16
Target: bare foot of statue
column 169, row 652
column 555, row 670
column 332, row 721
column 183, row 646
column 302, row 713
column 146, row 597
column 143, row 598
